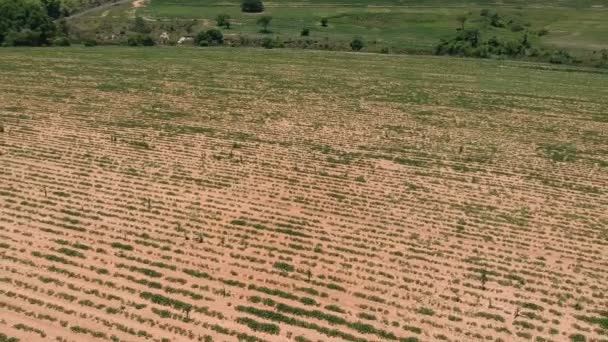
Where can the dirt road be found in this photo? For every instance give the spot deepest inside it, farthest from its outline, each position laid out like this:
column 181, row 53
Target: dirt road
column 98, row 8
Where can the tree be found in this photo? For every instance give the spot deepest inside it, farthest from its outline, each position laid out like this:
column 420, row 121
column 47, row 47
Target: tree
column 496, row 21
column 252, row 6
column 223, row 20
column 305, row 32
column 264, row 21
column 357, row 44
column 25, row 23
column 324, row 22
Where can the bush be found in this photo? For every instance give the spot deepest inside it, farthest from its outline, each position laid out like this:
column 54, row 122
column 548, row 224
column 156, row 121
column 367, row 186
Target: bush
column 61, row 41
column 147, row 40
column 209, row 37
column 90, row 42
column 561, row 57
column 223, row 20
column 324, row 22
column 24, row 38
column 252, row 6
column 268, row 43
column 305, row 32
column 516, row 27
column 543, row 32
column 140, row 40
column 357, row 44
column 264, row 21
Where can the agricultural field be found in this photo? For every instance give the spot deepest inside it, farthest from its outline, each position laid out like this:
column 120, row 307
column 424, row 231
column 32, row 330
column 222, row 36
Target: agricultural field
column 164, row 194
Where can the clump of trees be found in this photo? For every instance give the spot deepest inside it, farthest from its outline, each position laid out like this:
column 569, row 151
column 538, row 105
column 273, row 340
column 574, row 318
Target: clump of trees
column 140, row 40
column 27, row 23
column 252, row 6
column 469, row 42
column 209, row 37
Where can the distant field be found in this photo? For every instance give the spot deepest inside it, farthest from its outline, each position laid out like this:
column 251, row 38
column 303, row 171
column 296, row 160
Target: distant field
column 223, row 194
column 403, row 25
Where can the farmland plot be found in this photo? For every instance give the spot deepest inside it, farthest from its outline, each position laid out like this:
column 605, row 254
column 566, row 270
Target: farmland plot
column 210, row 195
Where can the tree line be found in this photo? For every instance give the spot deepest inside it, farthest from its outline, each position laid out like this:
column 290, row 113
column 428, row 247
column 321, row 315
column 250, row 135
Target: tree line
column 32, row 23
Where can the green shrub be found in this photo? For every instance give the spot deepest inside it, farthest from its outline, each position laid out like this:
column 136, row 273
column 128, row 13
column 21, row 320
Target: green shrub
column 357, row 44
column 305, row 32
column 223, row 20
column 268, row 43
column 140, row 40
column 561, row 57
column 61, row 41
column 24, row 38
column 209, row 37
column 252, row 6
column 264, row 22
column 90, row 42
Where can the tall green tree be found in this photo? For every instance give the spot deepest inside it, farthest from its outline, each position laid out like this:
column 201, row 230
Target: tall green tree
column 264, row 21
column 25, row 22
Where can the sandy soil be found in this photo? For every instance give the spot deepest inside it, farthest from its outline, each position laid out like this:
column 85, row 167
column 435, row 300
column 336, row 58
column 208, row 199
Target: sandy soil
column 104, row 195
